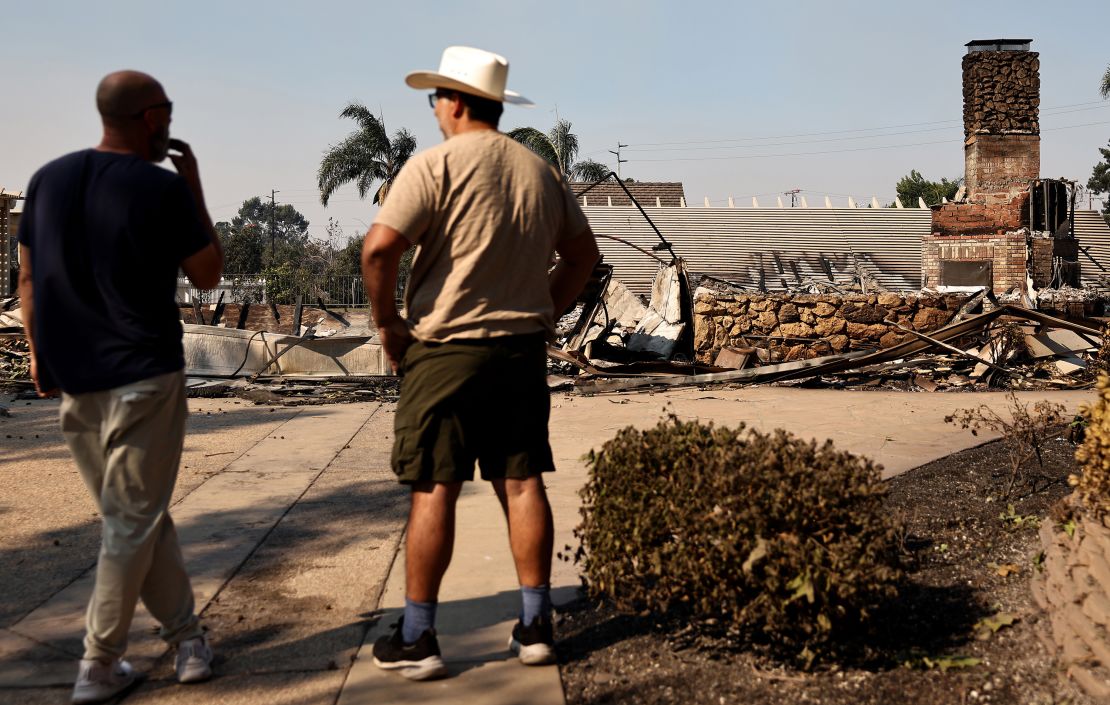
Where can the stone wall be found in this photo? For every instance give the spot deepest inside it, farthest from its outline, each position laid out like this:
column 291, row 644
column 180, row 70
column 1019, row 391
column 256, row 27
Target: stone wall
column 800, row 326
column 1074, row 588
column 1002, row 92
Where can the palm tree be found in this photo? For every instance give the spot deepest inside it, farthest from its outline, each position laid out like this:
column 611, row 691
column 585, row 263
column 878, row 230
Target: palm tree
column 589, row 170
column 365, row 156
column 559, row 147
column 1104, row 87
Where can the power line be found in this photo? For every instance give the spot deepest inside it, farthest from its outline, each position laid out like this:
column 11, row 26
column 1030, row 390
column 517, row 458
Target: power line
column 784, row 144
column 1097, row 104
column 839, row 151
column 837, row 139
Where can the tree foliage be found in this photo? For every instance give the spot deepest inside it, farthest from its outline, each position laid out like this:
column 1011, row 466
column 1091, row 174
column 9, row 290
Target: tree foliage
column 1100, row 179
column 559, row 147
column 1104, row 85
column 247, row 238
column 365, row 156
column 915, row 186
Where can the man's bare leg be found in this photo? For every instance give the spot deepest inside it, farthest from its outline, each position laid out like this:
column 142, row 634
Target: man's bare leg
column 531, row 528
column 532, row 538
column 431, row 538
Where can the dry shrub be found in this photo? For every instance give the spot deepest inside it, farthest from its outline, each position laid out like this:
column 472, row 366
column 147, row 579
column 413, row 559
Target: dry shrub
column 782, row 541
column 1093, row 483
column 1024, row 431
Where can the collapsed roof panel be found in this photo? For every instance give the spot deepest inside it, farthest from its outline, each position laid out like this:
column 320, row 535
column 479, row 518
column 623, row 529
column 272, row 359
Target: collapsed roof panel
column 741, row 244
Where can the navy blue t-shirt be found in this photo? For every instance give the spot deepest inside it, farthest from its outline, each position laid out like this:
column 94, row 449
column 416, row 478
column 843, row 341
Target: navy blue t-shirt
column 107, row 234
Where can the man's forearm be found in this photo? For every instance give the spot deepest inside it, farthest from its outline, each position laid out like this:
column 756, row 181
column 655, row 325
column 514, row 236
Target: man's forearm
column 381, row 286
column 382, row 250
column 27, row 312
column 26, row 297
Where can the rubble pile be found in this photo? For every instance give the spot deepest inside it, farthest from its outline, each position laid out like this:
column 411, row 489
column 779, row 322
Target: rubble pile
column 15, row 359
column 299, row 391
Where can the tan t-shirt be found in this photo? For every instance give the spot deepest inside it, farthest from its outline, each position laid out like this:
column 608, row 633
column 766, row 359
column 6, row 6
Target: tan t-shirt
column 485, row 214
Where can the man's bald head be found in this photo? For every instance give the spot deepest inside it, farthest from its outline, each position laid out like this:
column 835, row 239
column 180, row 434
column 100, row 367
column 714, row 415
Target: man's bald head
column 125, row 94
column 136, row 114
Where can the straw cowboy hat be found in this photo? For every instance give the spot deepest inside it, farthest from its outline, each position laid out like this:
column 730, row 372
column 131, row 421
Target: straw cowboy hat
column 474, row 71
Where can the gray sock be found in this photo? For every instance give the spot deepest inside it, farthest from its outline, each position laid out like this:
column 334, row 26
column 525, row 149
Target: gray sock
column 419, row 618
column 536, row 602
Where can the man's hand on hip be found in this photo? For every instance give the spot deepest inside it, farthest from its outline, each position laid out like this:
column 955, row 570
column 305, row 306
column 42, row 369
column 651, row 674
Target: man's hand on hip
column 396, row 339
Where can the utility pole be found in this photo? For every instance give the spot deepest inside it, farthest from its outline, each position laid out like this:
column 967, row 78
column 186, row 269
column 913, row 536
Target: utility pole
column 793, row 193
column 619, row 160
column 273, row 223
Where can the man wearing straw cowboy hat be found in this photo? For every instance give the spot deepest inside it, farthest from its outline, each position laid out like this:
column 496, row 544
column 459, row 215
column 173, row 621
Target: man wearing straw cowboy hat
column 484, row 214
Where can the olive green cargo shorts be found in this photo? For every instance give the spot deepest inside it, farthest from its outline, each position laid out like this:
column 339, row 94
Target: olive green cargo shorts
column 484, row 401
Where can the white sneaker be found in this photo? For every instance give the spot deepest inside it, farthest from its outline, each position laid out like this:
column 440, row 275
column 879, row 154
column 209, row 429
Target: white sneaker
column 194, row 660
column 98, row 681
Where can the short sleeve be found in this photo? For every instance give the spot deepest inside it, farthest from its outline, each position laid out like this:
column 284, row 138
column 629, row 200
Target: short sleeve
column 409, row 207
column 574, row 220
column 26, row 233
column 187, row 235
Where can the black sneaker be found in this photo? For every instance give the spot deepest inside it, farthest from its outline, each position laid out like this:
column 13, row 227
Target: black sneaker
column 534, row 644
column 418, row 661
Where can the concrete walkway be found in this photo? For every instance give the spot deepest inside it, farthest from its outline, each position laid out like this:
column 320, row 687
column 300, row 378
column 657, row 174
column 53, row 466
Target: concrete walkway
column 292, row 530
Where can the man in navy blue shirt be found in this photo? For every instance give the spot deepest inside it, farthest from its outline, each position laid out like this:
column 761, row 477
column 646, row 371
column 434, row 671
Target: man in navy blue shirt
column 103, row 235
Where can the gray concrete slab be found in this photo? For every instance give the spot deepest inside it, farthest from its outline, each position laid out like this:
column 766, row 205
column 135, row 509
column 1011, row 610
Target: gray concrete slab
column 274, row 688
column 49, row 529
column 220, row 523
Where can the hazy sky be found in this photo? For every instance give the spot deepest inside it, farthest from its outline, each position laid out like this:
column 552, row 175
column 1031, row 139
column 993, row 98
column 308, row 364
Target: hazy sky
column 701, row 92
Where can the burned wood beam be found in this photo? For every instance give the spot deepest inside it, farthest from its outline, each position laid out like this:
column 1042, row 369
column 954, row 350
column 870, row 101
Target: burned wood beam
column 297, row 311
column 274, row 311
column 243, row 310
column 218, row 313
column 197, row 315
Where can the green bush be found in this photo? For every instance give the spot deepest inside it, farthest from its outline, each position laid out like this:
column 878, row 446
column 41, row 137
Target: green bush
column 783, row 541
column 1093, row 483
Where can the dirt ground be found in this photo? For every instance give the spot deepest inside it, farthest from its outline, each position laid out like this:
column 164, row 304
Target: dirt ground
column 969, row 558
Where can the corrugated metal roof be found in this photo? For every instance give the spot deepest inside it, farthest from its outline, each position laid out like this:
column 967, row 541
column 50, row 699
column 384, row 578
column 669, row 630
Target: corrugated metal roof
column 777, row 246
column 1094, row 244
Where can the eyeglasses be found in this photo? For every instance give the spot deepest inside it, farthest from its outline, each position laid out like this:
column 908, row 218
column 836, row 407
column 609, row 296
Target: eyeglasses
column 168, row 105
column 441, row 93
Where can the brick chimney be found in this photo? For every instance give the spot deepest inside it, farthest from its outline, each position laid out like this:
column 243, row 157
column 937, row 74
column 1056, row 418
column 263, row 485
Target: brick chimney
column 984, row 240
column 1002, row 132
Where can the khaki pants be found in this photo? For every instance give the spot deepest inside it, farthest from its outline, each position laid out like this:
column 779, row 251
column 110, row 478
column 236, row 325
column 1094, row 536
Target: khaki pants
column 127, row 445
